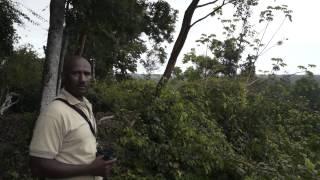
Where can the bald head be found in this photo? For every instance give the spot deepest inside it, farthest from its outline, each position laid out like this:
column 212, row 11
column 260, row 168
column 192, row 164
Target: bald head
column 71, row 60
column 76, row 76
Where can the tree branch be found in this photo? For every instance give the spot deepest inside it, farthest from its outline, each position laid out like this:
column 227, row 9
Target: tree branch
column 253, row 82
column 206, row 4
column 274, row 34
column 105, row 118
column 215, row 10
column 8, row 102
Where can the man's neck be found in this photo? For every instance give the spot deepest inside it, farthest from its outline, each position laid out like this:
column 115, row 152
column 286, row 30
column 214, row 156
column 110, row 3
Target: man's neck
column 80, row 98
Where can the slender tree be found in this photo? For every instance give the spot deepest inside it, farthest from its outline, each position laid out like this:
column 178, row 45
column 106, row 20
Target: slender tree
column 242, row 11
column 185, row 28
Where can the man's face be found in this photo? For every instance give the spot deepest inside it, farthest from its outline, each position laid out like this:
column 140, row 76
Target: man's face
column 77, row 78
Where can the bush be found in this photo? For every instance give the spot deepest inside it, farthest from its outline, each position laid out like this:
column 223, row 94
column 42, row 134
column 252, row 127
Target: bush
column 212, row 129
column 217, row 128
column 15, row 136
column 21, row 73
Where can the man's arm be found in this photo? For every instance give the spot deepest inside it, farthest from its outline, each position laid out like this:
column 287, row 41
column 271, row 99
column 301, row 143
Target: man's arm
column 52, row 168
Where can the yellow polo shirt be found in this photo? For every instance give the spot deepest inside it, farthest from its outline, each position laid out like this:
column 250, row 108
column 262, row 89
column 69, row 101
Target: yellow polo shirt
column 62, row 134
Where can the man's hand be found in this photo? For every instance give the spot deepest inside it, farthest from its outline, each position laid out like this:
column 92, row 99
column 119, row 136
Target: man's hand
column 100, row 167
column 109, row 165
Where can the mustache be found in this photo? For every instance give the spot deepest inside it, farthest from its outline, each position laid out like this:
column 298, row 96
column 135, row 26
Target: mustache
column 83, row 84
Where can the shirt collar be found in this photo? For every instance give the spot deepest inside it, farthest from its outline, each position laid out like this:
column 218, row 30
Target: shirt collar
column 71, row 99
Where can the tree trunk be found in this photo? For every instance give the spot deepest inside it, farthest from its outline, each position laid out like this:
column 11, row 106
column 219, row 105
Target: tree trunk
column 186, row 25
column 54, row 42
column 82, row 43
column 93, row 69
column 65, row 43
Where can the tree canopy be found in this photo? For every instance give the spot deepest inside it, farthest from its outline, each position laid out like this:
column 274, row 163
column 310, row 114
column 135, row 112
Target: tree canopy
column 116, row 32
column 9, row 15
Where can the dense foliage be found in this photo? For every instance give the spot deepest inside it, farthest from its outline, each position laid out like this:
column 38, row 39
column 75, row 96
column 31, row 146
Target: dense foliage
column 115, row 33
column 218, row 128
column 15, row 138
column 9, row 15
column 213, row 129
column 20, row 73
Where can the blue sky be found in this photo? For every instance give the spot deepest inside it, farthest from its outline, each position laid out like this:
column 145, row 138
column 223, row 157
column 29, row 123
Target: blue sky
column 301, row 48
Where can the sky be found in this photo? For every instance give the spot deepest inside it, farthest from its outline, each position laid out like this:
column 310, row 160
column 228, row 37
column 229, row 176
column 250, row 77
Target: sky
column 301, row 48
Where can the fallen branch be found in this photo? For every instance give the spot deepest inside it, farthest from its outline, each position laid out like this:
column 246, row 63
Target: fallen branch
column 105, row 118
column 8, row 102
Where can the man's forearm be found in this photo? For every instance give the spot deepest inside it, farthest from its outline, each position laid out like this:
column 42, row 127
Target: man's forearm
column 54, row 169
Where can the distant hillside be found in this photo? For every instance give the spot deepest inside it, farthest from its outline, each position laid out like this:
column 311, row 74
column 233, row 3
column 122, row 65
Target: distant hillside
column 145, row 76
column 292, row 78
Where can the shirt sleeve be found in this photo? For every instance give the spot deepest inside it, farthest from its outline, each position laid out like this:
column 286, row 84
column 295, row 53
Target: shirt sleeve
column 47, row 135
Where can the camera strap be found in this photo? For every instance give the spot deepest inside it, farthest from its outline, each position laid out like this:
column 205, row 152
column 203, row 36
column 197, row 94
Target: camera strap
column 80, row 112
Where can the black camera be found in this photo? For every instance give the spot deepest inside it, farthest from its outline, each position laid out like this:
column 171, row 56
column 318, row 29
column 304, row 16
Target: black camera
column 108, row 153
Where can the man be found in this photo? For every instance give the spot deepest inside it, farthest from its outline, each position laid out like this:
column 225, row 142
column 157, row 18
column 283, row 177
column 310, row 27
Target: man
column 63, row 145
